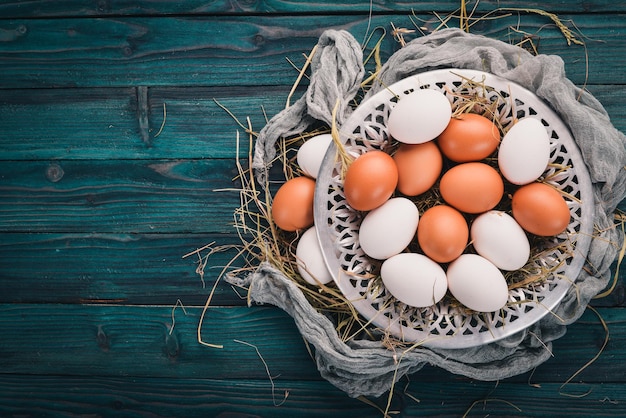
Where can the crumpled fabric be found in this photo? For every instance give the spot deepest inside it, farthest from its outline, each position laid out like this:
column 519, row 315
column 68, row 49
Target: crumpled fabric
column 336, row 74
column 365, row 367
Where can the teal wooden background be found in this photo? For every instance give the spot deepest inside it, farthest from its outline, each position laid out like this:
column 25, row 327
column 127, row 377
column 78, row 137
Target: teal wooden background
column 96, row 210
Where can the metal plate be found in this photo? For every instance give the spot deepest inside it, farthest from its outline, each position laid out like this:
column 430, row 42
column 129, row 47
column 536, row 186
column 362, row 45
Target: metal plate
column 448, row 325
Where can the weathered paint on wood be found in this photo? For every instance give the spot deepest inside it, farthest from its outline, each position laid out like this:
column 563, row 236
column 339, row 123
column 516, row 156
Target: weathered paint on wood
column 102, row 123
column 203, row 51
column 136, row 341
column 117, row 340
column 119, row 196
column 42, row 8
column 96, row 210
column 173, row 397
column 102, row 396
column 132, row 268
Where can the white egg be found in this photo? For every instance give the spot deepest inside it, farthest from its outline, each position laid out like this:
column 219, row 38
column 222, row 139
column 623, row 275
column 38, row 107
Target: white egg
column 388, row 229
column 419, row 116
column 499, row 238
column 477, row 283
column 311, row 153
column 414, row 279
column 309, row 259
column 524, row 151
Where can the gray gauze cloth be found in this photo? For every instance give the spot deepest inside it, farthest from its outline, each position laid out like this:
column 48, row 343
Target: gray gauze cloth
column 365, row 367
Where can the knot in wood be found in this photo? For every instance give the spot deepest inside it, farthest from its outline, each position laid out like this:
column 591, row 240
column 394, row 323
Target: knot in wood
column 259, row 40
column 54, row 172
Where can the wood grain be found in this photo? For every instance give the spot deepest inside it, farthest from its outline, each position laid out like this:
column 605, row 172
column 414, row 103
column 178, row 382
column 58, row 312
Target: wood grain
column 118, row 196
column 134, row 269
column 239, row 51
column 136, row 396
column 138, row 269
column 103, row 340
column 131, row 397
column 42, row 8
column 120, row 340
column 96, row 210
column 102, row 123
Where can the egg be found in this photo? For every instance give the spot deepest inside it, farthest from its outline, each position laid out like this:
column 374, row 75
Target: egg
column 477, row 284
column 414, row 279
column 311, row 153
column 419, row 116
column 524, row 152
column 469, row 137
column 442, row 233
column 388, row 229
column 310, row 260
column 419, row 167
column 292, row 207
column 370, row 180
column 472, row 187
column 498, row 237
column 540, row 209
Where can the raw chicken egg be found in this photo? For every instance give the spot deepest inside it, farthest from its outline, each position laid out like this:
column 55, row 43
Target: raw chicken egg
column 469, row 137
column 311, row 154
column 389, row 229
column 419, row 167
column 414, row 279
column 419, row 116
column 442, row 233
column 497, row 237
column 370, row 180
column 540, row 209
column 292, row 208
column 310, row 260
column 477, row 283
column 472, row 187
column 525, row 151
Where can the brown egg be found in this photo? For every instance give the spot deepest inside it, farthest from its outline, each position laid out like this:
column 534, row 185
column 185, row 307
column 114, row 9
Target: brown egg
column 469, row 137
column 540, row 209
column 292, row 208
column 442, row 233
column 370, row 180
column 419, row 167
column 472, row 187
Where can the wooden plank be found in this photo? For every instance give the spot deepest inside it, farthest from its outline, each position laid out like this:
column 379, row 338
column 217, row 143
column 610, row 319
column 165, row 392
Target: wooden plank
column 135, row 269
column 101, row 123
column 132, row 397
column 117, row 341
column 42, row 8
column 135, row 341
column 69, row 396
column 117, row 196
column 231, row 51
column 112, row 268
